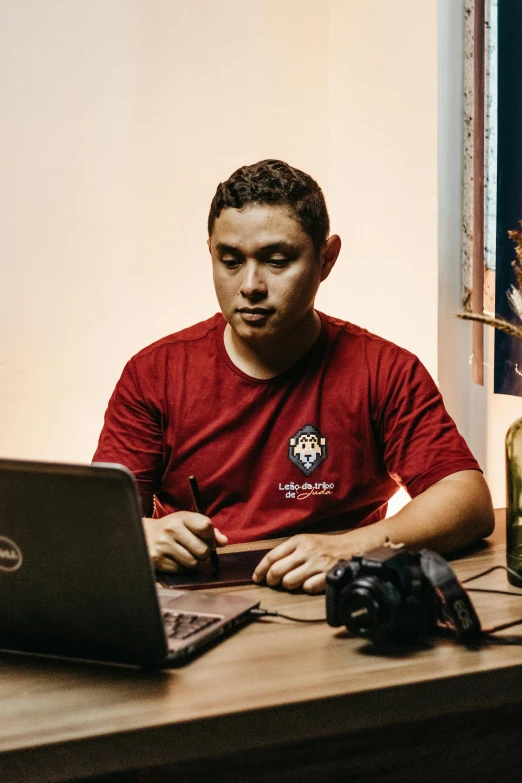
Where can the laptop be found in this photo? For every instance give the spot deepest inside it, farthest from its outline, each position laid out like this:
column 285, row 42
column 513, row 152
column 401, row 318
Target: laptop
column 76, row 579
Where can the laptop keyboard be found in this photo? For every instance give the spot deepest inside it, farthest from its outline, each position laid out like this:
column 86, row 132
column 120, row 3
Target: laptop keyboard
column 182, row 625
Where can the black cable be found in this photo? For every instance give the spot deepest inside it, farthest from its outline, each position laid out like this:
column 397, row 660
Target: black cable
column 513, row 640
column 482, row 573
column 489, row 571
column 503, row 626
column 483, row 590
column 268, row 613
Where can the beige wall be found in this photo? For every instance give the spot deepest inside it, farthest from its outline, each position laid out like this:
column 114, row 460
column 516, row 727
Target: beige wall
column 120, row 117
column 383, row 168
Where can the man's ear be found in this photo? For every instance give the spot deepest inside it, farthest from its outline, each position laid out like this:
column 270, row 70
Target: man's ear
column 208, row 245
column 329, row 255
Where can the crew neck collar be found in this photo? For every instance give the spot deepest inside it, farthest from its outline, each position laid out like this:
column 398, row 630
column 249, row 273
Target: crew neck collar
column 313, row 353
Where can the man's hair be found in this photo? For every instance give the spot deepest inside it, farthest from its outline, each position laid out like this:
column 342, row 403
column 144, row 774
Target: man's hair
column 275, row 182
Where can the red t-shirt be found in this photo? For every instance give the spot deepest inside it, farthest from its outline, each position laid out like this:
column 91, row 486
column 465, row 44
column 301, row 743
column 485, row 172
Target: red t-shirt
column 321, row 447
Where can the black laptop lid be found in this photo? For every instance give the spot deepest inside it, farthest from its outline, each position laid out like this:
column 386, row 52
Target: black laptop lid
column 75, row 575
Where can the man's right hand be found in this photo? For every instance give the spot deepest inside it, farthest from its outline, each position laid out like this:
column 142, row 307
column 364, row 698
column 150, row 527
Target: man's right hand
column 179, row 541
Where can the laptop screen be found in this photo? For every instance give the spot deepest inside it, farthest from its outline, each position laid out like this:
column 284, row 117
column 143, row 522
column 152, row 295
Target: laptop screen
column 75, row 575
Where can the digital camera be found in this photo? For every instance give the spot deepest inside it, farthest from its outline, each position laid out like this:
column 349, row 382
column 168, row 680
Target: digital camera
column 392, row 596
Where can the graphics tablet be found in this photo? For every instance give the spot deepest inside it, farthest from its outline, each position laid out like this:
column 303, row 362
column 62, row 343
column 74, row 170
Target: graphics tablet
column 235, row 568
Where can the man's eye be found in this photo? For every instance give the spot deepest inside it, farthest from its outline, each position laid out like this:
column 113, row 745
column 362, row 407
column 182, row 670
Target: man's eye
column 278, row 262
column 230, row 263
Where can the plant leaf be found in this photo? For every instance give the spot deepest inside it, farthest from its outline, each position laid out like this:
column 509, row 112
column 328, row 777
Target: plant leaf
column 497, row 323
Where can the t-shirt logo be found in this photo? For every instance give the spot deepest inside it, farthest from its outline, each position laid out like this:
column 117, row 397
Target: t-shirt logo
column 307, row 449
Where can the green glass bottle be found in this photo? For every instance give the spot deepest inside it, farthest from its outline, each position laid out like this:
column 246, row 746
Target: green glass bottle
column 514, row 501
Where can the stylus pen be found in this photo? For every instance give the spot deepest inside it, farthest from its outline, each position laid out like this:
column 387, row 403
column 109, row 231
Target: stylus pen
column 214, row 559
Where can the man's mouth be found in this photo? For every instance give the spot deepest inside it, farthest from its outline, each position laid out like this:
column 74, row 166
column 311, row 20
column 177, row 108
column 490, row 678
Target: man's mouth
column 255, row 314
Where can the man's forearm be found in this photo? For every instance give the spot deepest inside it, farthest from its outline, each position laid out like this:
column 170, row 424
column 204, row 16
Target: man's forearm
column 449, row 515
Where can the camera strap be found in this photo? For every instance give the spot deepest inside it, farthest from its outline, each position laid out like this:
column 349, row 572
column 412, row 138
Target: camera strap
column 455, row 601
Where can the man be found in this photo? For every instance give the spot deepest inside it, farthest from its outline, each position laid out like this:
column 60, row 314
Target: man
column 294, row 423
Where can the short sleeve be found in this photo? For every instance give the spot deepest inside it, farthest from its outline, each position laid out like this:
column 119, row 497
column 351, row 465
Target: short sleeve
column 132, row 435
column 420, row 441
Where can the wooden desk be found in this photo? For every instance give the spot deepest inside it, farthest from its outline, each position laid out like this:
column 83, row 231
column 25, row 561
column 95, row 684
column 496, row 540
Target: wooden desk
column 277, row 702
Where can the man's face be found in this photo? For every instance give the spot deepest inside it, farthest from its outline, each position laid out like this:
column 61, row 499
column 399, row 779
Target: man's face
column 266, row 271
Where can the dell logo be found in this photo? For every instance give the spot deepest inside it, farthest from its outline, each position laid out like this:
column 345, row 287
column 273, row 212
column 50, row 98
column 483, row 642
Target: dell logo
column 10, row 555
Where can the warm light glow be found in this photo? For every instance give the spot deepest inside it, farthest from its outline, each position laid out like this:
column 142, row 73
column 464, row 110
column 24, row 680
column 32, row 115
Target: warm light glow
column 397, row 502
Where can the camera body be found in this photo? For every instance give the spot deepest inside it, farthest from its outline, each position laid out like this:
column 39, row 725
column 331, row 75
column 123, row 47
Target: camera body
column 392, row 596
column 382, row 595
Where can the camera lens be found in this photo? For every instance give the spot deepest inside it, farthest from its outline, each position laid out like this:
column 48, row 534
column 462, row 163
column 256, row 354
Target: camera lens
column 370, row 607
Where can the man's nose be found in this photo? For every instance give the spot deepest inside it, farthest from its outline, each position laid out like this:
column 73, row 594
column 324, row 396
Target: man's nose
column 253, row 284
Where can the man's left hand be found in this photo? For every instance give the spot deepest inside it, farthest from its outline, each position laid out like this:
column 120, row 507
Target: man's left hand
column 301, row 562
